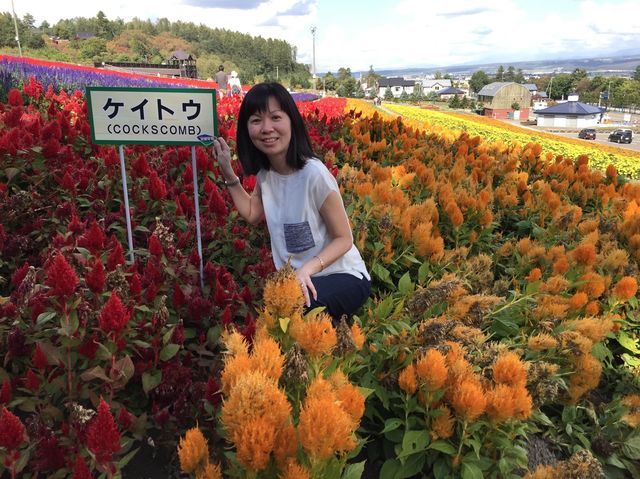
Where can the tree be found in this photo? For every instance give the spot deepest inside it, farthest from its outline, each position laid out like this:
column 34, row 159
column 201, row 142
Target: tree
column 330, row 81
column 438, row 75
column 510, row 75
column 478, row 80
column 454, row 102
column 371, row 77
column 636, row 75
column 500, row 73
column 388, row 95
column 404, row 96
column 519, row 78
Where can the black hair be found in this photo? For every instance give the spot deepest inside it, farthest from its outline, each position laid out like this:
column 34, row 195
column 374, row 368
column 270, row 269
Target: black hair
column 257, row 100
column 221, row 68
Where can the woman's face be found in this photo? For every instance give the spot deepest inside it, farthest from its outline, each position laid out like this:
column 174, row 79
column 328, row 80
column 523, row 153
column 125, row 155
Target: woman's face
column 270, row 131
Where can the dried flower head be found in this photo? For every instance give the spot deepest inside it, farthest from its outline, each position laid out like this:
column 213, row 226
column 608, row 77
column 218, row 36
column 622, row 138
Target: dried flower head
column 295, row 366
column 542, row 342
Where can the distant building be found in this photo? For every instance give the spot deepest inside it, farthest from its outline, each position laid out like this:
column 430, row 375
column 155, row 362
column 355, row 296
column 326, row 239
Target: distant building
column 83, row 35
column 434, row 86
column 179, row 65
column 397, row 85
column 571, row 114
column 500, row 98
column 447, row 93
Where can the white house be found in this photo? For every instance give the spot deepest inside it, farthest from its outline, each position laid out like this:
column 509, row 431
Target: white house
column 571, row 113
column 397, row 85
column 434, row 86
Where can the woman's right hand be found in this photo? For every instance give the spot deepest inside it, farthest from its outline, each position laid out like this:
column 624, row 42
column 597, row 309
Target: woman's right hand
column 222, row 154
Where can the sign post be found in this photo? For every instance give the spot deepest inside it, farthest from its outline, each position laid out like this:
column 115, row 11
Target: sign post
column 154, row 116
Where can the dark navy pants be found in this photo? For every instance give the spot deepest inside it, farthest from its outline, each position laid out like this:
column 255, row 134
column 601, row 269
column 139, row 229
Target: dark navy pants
column 340, row 293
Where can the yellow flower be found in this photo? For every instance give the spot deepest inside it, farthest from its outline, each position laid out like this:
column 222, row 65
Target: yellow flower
column 286, row 445
column 542, row 342
column 352, row 401
column 632, row 417
column 234, row 368
column 193, row 451
column 235, row 343
column 282, row 293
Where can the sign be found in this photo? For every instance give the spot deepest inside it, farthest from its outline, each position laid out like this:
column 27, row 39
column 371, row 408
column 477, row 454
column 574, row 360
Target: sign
column 184, row 116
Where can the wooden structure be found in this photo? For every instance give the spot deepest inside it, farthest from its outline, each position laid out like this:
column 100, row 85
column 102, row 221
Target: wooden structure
column 499, row 99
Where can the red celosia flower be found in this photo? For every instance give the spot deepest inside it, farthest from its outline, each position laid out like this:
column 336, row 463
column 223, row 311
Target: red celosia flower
column 96, row 278
column 19, row 274
column 75, row 225
column 32, row 381
column 226, row 318
column 214, row 391
column 113, row 316
column 80, row 469
column 157, row 188
column 135, row 285
column 103, row 437
column 39, row 358
column 116, row 256
column 89, row 348
column 217, row 203
column 12, row 431
column 33, row 88
column 67, row 182
column 15, row 97
column 5, row 392
column 155, row 248
column 61, row 277
column 239, row 245
column 178, row 296
column 125, row 418
column 93, row 239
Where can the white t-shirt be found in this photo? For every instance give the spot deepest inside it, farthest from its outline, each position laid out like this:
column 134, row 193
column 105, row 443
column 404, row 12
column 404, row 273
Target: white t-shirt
column 292, row 209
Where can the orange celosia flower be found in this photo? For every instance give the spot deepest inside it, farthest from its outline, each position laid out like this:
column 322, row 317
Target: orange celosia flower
column 534, row 275
column 268, row 358
column 286, row 445
column 432, row 370
column 501, row 403
column 541, row 342
column 235, row 343
column 352, row 401
column 407, row 380
column 509, row 369
column 442, row 426
column 585, row 378
column 320, row 387
column 282, row 293
column 561, row 265
column 594, row 284
column 584, row 254
column 468, row 400
column 193, row 451
column 234, row 368
column 316, row 335
column 578, row 300
column 593, row 328
column 632, row 417
column 293, row 470
column 324, row 428
column 625, row 289
column 592, row 308
column 254, row 395
column 542, row 472
column 211, row 471
column 358, row 336
column 254, row 441
column 523, row 402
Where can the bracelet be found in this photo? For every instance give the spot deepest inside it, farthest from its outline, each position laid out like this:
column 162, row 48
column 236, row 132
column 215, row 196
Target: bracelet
column 229, row 184
column 321, row 262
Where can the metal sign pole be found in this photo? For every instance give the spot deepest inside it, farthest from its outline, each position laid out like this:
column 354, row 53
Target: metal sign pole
column 194, row 168
column 125, row 192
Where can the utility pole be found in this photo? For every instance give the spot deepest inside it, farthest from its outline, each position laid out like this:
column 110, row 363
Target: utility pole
column 550, row 83
column 15, row 24
column 277, row 73
column 313, row 62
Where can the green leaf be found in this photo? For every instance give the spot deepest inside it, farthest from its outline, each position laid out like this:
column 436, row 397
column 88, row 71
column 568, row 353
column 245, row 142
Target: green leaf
column 150, row 380
column 470, row 470
column 383, row 310
column 382, row 273
column 391, row 424
column 354, row 471
column 443, row 446
column 423, row 272
column 96, row 372
column 169, row 351
column 631, row 448
column 11, row 172
column 628, row 342
column 405, row 286
column 45, row 317
column 390, row 468
column 284, row 324
column 413, row 442
column 125, row 460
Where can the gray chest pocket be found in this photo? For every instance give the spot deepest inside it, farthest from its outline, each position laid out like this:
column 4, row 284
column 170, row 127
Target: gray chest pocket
column 298, row 237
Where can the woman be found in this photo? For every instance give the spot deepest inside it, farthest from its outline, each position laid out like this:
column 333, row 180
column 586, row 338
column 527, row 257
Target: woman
column 298, row 197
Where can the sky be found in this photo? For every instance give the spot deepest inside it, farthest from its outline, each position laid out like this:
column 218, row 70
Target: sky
column 393, row 34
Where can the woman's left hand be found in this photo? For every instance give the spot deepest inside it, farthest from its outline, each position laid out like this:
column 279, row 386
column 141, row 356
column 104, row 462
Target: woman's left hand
column 308, row 289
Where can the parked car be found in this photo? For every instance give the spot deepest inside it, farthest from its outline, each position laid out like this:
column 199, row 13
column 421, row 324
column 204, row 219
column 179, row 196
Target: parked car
column 587, row 134
column 621, row 136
